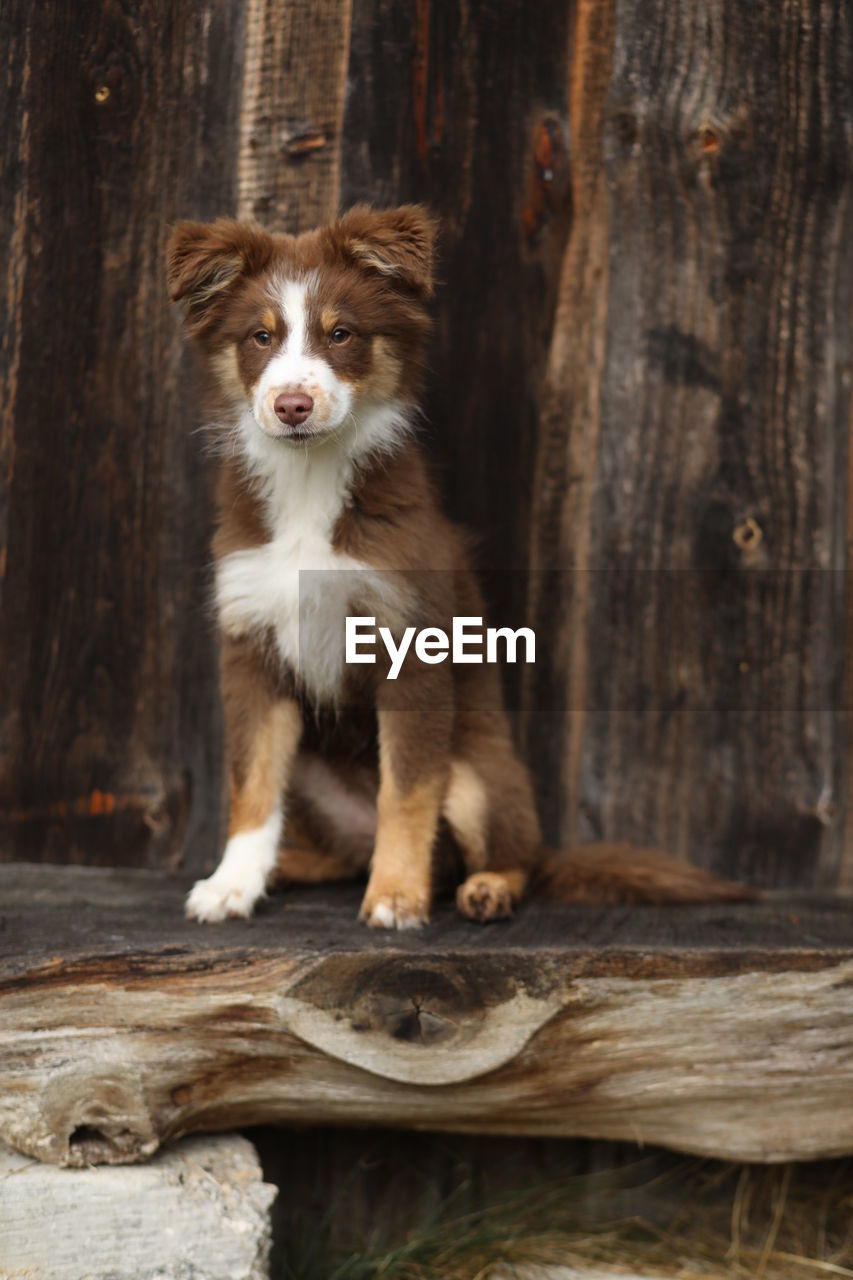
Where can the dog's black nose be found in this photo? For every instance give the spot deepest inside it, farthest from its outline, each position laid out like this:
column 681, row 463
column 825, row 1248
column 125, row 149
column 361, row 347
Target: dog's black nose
column 293, row 407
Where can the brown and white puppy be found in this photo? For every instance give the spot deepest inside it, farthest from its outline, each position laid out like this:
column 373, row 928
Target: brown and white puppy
column 315, row 347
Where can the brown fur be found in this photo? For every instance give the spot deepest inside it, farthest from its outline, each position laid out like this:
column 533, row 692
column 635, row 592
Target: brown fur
column 614, row 873
column 444, row 760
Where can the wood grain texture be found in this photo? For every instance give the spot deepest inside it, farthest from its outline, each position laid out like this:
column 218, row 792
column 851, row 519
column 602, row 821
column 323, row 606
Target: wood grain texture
column 693, row 473
column 463, row 105
column 639, row 388
column 568, row 433
column 122, row 1026
column 108, row 710
column 294, row 84
column 14, row 105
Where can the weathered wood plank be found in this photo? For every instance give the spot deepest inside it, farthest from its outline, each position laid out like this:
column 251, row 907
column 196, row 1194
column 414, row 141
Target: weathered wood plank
column 108, row 713
column 464, row 106
column 695, row 468
column 568, row 431
column 14, row 104
column 200, row 1209
column 694, row 416
column 294, row 83
column 726, row 1031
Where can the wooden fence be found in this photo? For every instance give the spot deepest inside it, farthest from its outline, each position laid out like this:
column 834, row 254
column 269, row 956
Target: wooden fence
column 640, row 397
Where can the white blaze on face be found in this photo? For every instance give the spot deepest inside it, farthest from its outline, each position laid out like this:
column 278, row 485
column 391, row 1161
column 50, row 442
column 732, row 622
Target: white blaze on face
column 295, row 368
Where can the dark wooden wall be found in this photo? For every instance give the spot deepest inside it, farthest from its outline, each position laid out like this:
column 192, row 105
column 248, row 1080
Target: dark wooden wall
column 640, row 392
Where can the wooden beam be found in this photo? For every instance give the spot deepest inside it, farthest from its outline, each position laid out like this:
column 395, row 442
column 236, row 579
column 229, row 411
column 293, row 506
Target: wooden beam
column 720, row 1030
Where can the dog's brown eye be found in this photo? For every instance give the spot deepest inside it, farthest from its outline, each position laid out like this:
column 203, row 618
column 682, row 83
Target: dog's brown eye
column 263, row 337
column 340, row 336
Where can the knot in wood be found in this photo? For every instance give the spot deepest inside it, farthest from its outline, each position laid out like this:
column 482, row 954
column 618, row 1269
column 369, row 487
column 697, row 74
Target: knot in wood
column 298, row 145
column 748, row 535
column 426, row 1021
column 406, row 1000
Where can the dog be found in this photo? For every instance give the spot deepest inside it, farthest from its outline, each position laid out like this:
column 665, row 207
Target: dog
column 314, row 348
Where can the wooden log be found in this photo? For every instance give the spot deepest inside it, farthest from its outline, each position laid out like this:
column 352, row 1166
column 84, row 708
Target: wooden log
column 200, row 1209
column 721, row 1030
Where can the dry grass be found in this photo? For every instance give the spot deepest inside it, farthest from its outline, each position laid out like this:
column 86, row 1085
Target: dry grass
column 694, row 1219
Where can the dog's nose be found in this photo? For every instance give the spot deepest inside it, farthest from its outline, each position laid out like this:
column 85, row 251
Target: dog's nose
column 293, row 407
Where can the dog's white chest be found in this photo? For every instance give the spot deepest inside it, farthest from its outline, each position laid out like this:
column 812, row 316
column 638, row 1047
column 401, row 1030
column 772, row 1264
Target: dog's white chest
column 300, row 588
column 297, row 585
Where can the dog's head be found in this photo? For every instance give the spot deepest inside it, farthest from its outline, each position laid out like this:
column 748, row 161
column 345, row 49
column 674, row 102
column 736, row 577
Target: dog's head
column 311, row 336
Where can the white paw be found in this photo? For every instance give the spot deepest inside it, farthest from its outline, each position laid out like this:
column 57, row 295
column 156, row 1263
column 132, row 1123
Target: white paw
column 220, row 897
column 241, row 877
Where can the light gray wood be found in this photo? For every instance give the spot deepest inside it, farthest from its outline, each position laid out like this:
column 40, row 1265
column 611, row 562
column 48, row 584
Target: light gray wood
column 721, row 1030
column 294, row 86
column 199, row 1211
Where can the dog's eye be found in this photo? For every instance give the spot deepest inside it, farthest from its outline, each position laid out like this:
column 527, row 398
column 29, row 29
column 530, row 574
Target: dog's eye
column 340, row 336
column 263, row 337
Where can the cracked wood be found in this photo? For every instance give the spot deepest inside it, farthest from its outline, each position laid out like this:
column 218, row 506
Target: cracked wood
column 726, row 1031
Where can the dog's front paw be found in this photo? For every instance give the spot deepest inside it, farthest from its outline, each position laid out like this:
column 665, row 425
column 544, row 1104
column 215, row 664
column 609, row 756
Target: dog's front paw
column 219, row 897
column 394, row 909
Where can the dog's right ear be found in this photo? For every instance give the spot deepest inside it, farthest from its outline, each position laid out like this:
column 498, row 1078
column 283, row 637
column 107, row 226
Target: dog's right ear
column 205, row 260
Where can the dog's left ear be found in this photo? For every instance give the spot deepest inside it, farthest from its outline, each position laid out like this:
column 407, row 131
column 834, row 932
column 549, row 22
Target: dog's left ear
column 398, row 243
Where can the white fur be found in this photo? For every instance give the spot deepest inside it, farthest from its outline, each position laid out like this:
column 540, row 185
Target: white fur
column 305, row 487
column 294, row 368
column 382, row 916
column 385, row 915
column 241, row 877
column 297, row 583
column 359, row 427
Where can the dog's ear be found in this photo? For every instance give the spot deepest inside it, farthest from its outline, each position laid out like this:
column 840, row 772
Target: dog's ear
column 397, row 243
column 204, row 261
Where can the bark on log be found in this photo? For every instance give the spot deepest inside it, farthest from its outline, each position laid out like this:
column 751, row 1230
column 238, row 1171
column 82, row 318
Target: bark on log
column 725, row 1031
column 199, row 1211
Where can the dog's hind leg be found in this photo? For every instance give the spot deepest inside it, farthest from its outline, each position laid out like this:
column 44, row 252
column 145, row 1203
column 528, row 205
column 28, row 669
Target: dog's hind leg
column 490, row 811
column 331, row 825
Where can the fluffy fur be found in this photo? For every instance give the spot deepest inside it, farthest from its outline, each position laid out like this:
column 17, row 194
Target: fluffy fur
column 314, row 351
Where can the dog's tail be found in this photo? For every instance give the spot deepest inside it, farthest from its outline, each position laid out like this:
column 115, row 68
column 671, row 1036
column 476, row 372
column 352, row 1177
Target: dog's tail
column 606, row 874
